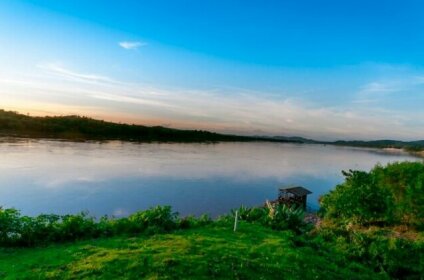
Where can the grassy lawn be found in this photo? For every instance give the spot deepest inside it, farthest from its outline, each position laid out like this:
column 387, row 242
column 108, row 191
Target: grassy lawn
column 211, row 252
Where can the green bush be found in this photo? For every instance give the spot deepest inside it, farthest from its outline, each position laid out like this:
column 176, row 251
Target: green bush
column 366, row 217
column 153, row 220
column 400, row 258
column 360, row 199
column 274, row 216
column 388, row 195
column 17, row 230
column 405, row 181
column 281, row 217
column 41, row 229
column 193, row 222
column 10, row 224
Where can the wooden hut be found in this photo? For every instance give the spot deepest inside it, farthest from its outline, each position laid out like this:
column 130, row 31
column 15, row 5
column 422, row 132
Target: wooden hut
column 295, row 195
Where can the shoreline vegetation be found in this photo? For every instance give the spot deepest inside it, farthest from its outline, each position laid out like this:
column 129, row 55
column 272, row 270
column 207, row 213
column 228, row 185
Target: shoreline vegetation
column 77, row 128
column 371, row 227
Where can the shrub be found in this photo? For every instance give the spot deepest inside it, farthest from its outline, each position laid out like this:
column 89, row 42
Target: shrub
column 359, row 199
column 10, row 225
column 281, row 217
column 17, row 230
column 38, row 230
column 254, row 214
column 192, row 221
column 157, row 219
column 400, row 258
column 275, row 216
column 390, row 195
column 405, row 181
column 74, row 227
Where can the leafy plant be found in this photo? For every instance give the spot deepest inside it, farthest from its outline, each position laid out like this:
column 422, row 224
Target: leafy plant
column 281, row 216
column 388, row 195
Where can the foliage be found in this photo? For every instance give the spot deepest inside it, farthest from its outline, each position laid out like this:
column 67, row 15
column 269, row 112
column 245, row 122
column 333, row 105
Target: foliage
column 9, row 225
column 405, row 180
column 193, row 222
column 415, row 148
column 359, row 199
column 280, row 217
column 83, row 128
column 274, row 216
column 17, row 230
column 382, row 249
column 376, row 217
column 388, row 195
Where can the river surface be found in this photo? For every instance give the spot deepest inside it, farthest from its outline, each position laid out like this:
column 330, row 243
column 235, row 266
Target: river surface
column 119, row 178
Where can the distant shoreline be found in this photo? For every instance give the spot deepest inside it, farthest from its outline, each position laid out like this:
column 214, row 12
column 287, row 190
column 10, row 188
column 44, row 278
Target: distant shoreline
column 77, row 128
column 403, row 150
column 81, row 129
column 420, row 154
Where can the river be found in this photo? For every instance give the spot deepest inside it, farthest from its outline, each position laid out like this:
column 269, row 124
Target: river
column 119, row 178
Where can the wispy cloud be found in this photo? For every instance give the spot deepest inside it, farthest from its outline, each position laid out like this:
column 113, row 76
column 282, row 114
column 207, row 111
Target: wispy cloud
column 419, row 80
column 131, row 45
column 131, row 100
column 379, row 87
column 396, row 89
column 58, row 70
column 373, row 92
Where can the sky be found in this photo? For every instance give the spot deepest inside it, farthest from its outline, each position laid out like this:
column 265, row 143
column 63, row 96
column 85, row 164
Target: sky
column 324, row 69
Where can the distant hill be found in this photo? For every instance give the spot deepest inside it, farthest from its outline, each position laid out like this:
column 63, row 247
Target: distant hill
column 82, row 128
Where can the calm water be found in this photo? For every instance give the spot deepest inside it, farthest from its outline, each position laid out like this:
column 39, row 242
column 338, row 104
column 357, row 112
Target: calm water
column 118, row 178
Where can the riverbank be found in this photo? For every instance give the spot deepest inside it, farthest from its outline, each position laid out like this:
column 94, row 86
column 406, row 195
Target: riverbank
column 420, row 153
column 404, row 151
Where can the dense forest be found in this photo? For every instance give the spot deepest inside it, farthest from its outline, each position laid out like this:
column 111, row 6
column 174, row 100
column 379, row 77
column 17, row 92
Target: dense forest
column 83, row 128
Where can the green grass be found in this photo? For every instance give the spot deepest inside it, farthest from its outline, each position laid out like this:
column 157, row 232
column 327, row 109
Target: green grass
column 210, row 252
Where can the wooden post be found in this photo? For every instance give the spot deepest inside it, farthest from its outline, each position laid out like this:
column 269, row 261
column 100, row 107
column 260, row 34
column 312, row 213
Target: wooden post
column 235, row 221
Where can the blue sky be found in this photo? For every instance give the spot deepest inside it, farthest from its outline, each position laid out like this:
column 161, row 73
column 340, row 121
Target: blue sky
column 321, row 69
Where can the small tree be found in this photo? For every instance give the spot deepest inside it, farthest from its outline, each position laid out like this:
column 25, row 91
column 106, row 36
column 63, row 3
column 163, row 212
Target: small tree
column 359, row 199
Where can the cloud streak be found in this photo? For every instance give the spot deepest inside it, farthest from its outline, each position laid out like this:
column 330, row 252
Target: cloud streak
column 379, row 87
column 58, row 70
column 131, row 100
column 131, row 45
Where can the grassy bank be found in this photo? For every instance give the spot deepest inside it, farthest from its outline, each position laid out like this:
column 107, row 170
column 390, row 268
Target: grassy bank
column 209, row 252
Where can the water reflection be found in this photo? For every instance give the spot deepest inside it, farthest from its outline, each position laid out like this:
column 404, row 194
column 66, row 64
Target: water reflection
column 119, row 178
